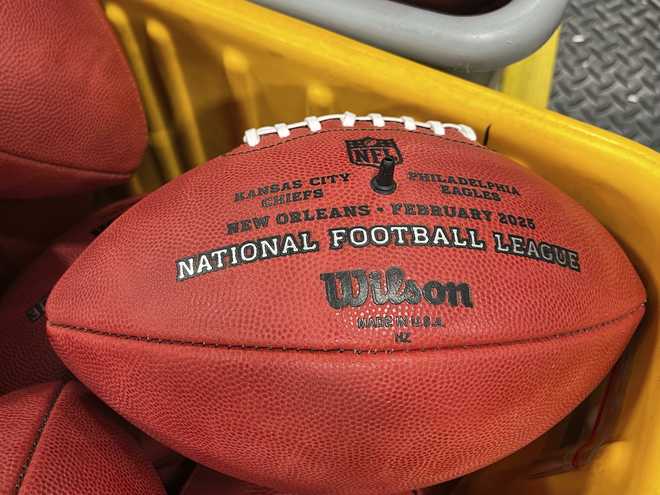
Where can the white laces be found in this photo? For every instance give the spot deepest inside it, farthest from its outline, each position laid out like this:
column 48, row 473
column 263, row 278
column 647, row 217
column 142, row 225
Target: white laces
column 252, row 136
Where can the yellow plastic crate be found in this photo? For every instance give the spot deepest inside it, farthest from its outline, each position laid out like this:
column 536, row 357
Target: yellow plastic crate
column 208, row 70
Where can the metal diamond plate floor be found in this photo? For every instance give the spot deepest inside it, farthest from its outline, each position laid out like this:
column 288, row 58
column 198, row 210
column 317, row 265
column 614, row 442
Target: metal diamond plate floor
column 607, row 70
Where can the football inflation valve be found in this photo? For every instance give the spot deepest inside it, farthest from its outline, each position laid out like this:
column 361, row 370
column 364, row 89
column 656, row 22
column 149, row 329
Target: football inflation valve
column 383, row 182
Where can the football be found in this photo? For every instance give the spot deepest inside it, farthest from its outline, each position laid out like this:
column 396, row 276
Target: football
column 71, row 119
column 58, row 438
column 360, row 305
column 26, row 357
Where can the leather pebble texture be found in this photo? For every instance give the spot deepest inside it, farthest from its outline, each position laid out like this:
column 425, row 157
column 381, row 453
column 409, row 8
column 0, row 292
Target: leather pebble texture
column 271, row 316
column 26, row 357
column 58, row 438
column 71, row 119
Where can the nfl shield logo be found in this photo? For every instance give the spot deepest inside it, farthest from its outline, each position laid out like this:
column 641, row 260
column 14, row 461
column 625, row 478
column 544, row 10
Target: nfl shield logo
column 371, row 151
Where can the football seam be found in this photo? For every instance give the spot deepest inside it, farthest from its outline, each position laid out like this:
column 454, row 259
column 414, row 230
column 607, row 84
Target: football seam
column 192, row 343
column 353, row 129
column 33, row 161
column 35, row 442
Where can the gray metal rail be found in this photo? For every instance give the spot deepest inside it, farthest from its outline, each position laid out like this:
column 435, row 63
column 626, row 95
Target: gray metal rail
column 469, row 43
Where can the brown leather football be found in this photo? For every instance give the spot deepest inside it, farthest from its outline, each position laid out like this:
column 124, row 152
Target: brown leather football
column 26, row 357
column 358, row 305
column 70, row 113
column 58, row 438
